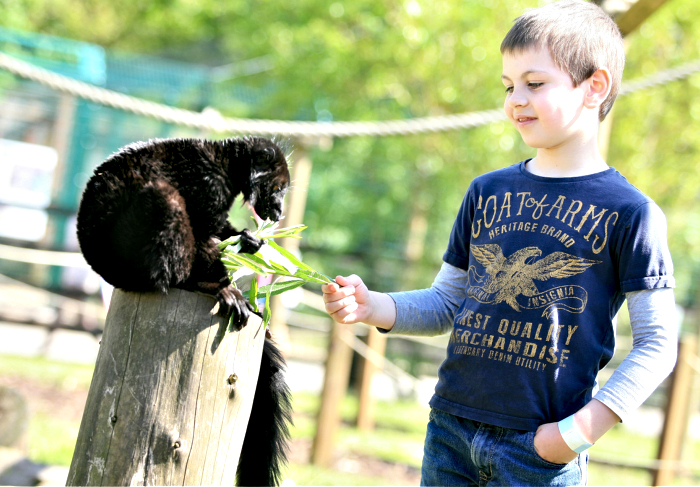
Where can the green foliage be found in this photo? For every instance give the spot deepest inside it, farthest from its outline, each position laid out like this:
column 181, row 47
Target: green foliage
column 52, row 440
column 270, row 259
column 656, row 134
column 368, row 60
column 61, row 375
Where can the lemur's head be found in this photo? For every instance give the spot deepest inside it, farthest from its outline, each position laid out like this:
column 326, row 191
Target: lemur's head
column 269, row 177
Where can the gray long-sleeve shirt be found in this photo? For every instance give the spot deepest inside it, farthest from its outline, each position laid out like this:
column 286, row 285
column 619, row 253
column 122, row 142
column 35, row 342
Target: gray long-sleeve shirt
column 430, row 312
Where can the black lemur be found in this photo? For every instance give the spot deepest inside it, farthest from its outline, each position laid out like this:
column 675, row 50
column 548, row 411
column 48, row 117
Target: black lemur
column 151, row 217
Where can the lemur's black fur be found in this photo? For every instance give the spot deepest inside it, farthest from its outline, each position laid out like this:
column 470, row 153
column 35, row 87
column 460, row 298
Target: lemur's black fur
column 151, row 217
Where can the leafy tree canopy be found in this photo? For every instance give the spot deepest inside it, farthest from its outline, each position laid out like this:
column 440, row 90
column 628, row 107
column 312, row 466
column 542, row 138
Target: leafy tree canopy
column 369, row 60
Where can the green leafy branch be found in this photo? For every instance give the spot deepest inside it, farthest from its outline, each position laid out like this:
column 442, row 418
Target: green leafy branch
column 271, row 259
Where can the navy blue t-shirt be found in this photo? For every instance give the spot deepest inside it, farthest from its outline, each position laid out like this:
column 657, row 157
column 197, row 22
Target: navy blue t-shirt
column 548, row 262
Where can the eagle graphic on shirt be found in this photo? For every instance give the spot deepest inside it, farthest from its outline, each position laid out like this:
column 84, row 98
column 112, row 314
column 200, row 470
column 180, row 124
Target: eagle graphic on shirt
column 512, row 279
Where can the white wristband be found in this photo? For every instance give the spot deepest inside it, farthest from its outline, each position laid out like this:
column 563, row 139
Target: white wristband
column 572, row 435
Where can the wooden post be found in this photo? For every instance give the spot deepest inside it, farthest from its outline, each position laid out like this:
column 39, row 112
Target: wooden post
column 335, row 385
column 365, row 412
column 295, row 205
column 641, row 10
column 677, row 411
column 627, row 21
column 60, row 139
column 171, row 394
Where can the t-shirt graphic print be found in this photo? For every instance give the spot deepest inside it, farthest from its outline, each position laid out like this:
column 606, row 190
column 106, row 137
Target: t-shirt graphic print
column 512, row 279
column 548, row 262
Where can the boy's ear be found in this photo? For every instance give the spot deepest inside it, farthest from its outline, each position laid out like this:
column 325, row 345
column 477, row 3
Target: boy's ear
column 599, row 85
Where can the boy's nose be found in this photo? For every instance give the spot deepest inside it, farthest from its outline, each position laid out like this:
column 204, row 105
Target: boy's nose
column 516, row 99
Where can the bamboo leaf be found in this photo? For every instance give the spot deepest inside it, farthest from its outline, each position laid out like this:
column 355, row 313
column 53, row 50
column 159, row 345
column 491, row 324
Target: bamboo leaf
column 241, row 272
column 270, row 259
column 289, row 256
column 267, row 312
column 231, row 265
column 281, row 270
column 279, row 287
column 229, row 241
column 247, row 262
column 289, row 231
column 253, row 293
column 311, row 275
column 258, row 259
column 271, row 254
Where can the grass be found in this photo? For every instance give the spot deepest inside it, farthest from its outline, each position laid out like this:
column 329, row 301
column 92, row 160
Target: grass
column 61, row 375
column 400, row 433
column 52, row 440
column 310, row 475
column 620, row 444
column 398, row 437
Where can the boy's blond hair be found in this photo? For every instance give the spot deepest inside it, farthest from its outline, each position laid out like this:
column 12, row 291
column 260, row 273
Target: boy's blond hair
column 581, row 38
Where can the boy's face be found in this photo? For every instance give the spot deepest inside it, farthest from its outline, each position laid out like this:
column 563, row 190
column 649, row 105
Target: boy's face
column 541, row 100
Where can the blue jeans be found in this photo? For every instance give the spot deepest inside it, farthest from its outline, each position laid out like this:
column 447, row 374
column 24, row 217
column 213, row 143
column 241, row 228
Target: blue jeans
column 459, row 451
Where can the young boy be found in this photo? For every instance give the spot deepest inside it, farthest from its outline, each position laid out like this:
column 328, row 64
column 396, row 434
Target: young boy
column 540, row 259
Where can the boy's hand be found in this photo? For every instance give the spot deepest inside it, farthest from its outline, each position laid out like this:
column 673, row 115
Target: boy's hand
column 550, row 445
column 349, row 303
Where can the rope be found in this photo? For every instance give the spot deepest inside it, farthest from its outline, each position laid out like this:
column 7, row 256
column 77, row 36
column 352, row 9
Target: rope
column 211, row 120
column 673, row 74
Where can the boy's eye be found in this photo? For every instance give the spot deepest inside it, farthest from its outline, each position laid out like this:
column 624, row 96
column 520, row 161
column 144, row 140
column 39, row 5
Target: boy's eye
column 509, row 89
column 534, row 86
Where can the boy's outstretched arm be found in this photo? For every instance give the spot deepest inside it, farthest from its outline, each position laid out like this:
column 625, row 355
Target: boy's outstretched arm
column 349, row 301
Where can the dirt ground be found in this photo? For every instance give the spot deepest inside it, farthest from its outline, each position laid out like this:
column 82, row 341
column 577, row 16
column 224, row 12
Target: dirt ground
column 300, row 453
column 60, row 403
column 69, row 405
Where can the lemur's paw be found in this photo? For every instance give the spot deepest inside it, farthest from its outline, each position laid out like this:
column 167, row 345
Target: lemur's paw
column 231, row 303
column 250, row 244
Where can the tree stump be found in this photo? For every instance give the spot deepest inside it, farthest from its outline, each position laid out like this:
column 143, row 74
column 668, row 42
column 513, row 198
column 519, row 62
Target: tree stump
column 171, row 394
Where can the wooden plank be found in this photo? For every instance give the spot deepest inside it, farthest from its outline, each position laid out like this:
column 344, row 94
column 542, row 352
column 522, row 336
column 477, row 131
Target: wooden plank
column 335, row 385
column 295, row 205
column 160, row 406
column 365, row 413
column 636, row 15
column 677, row 411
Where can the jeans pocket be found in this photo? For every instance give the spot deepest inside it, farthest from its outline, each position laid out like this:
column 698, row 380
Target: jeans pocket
column 531, row 443
column 431, row 415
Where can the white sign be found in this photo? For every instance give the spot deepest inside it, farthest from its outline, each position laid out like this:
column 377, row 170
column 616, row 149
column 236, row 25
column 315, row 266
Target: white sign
column 26, row 176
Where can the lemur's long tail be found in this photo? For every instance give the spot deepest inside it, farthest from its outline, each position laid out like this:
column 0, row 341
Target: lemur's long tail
column 265, row 447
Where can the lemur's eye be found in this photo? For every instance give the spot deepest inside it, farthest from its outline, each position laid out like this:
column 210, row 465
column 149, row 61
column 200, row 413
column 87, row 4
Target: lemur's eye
column 276, row 188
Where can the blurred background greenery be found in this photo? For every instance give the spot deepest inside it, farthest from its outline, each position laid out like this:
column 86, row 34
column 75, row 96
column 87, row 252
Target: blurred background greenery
column 370, row 199
column 368, row 60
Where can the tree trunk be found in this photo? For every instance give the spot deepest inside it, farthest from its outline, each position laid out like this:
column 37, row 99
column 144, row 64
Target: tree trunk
column 171, row 394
